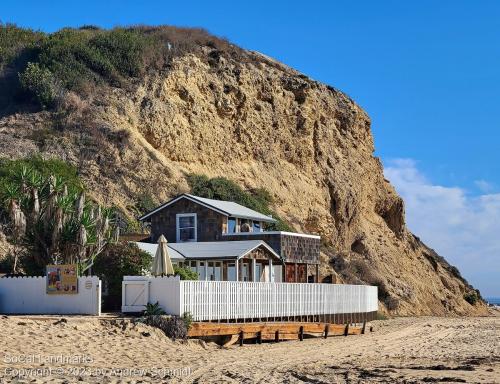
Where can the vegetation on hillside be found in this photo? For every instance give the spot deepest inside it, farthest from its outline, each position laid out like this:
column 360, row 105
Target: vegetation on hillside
column 48, row 65
column 220, row 188
column 44, row 211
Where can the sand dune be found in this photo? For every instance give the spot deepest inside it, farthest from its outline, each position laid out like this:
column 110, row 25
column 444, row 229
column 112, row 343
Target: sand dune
column 404, row 350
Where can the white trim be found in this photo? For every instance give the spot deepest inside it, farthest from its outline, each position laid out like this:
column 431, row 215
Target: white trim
column 177, row 229
column 175, row 200
column 194, row 200
column 273, row 233
column 257, row 246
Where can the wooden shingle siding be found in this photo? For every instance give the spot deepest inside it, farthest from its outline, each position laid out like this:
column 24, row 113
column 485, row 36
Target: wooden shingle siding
column 294, row 249
column 208, row 222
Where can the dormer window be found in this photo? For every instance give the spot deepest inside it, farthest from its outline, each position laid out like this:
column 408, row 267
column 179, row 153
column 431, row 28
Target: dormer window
column 186, row 227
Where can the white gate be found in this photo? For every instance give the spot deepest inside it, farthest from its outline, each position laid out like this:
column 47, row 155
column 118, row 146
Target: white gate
column 135, row 294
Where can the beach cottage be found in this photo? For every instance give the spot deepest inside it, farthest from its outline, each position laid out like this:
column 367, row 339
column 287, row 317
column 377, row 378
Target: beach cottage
column 225, row 241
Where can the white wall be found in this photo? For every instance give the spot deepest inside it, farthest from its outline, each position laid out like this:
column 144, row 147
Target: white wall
column 27, row 295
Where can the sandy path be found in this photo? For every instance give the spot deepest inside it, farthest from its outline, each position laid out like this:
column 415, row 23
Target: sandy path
column 405, row 350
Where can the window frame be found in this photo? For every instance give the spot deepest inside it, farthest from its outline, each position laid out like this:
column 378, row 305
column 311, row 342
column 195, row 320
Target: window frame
column 178, row 229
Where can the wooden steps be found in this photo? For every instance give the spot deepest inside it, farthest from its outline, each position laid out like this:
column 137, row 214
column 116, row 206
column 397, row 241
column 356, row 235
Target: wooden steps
column 235, row 332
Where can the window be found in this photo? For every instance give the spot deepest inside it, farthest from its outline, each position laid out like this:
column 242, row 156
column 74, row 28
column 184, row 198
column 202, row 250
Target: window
column 231, row 272
column 186, row 227
column 256, row 226
column 201, row 270
column 214, row 271
column 258, row 272
column 192, row 266
column 245, row 225
column 231, row 225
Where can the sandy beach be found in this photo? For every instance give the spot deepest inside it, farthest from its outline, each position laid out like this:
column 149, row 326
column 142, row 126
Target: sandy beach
column 401, row 350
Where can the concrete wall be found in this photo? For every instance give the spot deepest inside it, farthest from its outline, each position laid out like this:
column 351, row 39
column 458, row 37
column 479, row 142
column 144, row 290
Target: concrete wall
column 27, row 295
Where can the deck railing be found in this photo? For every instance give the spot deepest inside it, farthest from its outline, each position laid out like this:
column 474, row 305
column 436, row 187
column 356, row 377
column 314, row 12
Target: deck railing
column 222, row 300
column 231, row 300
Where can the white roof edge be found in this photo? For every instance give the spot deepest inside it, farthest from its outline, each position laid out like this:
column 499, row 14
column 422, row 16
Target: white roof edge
column 195, row 199
column 261, row 242
column 273, row 233
column 176, row 199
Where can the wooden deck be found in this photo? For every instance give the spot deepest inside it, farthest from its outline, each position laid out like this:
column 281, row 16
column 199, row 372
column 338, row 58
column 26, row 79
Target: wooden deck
column 239, row 332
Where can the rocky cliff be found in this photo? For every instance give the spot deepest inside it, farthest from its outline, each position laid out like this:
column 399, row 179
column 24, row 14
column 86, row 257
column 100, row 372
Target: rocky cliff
column 261, row 124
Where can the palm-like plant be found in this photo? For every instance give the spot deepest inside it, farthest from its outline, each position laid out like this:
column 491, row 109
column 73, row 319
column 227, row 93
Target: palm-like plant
column 54, row 221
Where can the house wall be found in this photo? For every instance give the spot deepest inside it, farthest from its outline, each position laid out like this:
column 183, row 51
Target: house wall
column 300, row 249
column 208, row 222
column 28, row 295
column 294, row 249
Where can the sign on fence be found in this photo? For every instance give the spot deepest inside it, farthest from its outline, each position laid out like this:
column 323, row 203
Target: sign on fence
column 62, row 279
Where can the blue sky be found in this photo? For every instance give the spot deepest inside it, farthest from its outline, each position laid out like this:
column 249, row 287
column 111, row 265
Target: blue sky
column 427, row 72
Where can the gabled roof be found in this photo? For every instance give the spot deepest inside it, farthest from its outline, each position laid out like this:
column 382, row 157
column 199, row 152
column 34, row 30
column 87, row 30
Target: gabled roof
column 216, row 250
column 227, row 208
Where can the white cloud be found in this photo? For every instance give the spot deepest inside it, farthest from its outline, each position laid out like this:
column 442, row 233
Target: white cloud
column 464, row 229
column 484, row 186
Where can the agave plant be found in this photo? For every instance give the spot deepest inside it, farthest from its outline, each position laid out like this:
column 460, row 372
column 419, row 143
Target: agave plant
column 55, row 222
column 153, row 310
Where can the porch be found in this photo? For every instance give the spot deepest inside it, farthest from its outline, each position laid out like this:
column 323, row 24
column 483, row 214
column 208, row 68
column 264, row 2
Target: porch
column 299, row 252
column 250, row 260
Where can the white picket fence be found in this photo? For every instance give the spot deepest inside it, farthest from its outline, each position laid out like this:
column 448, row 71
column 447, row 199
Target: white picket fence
column 28, row 295
column 218, row 300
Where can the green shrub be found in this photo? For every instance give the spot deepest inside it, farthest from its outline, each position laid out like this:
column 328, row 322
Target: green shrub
column 80, row 58
column 40, row 84
column 220, row 188
column 14, row 40
column 145, row 203
column 153, row 310
column 45, row 212
column 188, row 319
column 471, row 297
column 116, row 261
column 185, row 273
column 45, row 167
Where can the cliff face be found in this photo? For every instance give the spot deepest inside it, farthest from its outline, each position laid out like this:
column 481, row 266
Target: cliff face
column 260, row 124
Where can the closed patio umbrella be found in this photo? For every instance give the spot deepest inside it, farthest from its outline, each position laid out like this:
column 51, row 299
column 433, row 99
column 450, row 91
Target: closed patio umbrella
column 162, row 265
